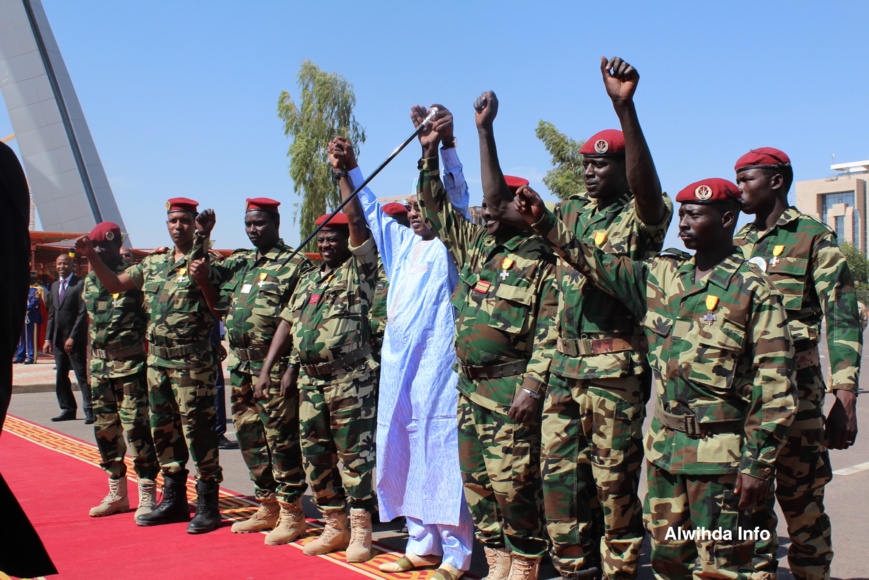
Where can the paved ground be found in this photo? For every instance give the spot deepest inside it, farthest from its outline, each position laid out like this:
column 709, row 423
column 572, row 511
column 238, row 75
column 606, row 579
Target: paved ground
column 34, row 400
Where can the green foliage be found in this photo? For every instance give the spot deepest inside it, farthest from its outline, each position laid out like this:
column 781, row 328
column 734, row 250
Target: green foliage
column 324, row 110
column 565, row 177
column 857, row 262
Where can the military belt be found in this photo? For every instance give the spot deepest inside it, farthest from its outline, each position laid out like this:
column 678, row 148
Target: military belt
column 118, row 353
column 173, row 352
column 587, row 346
column 340, row 363
column 252, row 353
column 688, row 424
column 494, row 371
column 807, row 359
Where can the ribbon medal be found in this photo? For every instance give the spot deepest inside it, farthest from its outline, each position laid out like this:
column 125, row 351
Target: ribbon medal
column 599, row 238
column 505, row 265
column 711, row 304
column 182, row 275
column 776, row 252
column 115, row 301
column 262, row 279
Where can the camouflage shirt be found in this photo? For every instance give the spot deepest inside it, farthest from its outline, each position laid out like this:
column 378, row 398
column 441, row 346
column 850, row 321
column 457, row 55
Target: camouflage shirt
column 506, row 297
column 253, row 292
column 801, row 257
column 177, row 312
column 329, row 311
column 719, row 349
column 584, row 311
column 117, row 321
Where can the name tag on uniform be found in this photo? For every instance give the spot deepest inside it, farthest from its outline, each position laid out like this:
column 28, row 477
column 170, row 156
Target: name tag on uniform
column 315, row 298
column 482, row 286
column 245, row 289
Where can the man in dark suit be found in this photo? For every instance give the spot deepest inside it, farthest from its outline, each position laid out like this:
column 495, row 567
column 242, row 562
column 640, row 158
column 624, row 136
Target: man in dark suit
column 21, row 551
column 66, row 338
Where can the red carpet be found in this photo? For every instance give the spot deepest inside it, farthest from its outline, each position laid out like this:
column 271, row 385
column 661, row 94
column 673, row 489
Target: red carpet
column 57, row 480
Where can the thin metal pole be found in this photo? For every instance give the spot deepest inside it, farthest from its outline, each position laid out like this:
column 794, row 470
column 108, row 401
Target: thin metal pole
column 364, row 183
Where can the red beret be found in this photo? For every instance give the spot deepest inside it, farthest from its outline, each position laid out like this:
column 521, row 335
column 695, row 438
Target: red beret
column 710, row 191
column 395, row 209
column 181, row 204
column 762, row 157
column 262, row 204
column 105, row 232
column 339, row 221
column 514, row 183
column 604, row 144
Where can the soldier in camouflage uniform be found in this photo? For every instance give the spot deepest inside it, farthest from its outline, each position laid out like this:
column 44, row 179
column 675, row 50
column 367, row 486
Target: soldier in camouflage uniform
column 256, row 285
column 595, row 403
column 721, row 355
column 327, row 323
column 181, row 367
column 118, row 380
column 802, row 258
column 505, row 301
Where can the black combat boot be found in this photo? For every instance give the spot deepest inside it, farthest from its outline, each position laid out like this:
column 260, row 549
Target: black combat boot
column 173, row 507
column 207, row 518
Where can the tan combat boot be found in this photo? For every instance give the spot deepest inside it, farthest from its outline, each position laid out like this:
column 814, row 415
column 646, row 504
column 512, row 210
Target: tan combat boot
column 524, row 568
column 265, row 518
column 147, row 497
column 359, row 549
column 499, row 563
column 335, row 536
column 117, row 500
column 291, row 525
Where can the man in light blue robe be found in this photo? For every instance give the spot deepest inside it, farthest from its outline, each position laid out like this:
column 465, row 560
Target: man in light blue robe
column 418, row 473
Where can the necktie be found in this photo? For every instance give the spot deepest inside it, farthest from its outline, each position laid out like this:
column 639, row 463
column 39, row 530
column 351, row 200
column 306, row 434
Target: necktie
column 62, row 288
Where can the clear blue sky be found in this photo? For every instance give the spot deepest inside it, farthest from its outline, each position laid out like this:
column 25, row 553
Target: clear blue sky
column 181, row 97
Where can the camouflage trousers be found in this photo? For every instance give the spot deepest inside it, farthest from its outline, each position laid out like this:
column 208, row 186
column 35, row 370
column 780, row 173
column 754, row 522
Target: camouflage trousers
column 591, row 460
column 802, row 471
column 678, row 509
column 500, row 462
column 268, row 435
column 337, row 419
column 182, row 419
column 121, row 405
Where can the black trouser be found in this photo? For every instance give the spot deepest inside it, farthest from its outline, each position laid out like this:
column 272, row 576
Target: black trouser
column 63, row 362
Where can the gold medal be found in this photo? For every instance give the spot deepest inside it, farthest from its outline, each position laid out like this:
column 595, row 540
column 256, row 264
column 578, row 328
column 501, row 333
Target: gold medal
column 506, row 265
column 115, row 300
column 776, row 252
column 711, row 304
column 262, row 279
column 599, row 238
column 182, row 274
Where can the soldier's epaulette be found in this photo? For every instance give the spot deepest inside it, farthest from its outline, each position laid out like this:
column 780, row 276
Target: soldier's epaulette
column 239, row 251
column 674, row 253
column 818, row 223
column 162, row 250
column 215, row 253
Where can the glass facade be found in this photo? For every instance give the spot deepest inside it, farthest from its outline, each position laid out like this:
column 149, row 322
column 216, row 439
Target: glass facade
column 831, row 199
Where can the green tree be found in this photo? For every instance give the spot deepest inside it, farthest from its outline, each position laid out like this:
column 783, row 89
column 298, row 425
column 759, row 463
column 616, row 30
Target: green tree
column 857, row 262
column 324, row 110
column 565, row 177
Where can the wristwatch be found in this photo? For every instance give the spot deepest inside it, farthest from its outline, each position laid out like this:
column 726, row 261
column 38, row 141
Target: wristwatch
column 338, row 175
column 532, row 393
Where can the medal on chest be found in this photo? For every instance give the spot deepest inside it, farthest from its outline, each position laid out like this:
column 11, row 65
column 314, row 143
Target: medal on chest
column 759, row 262
column 711, row 304
column 115, row 300
column 506, row 265
column 182, row 275
column 314, row 299
column 776, row 252
column 599, row 238
column 262, row 279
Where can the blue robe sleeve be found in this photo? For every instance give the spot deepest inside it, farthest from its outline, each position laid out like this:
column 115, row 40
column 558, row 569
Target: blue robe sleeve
column 454, row 182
